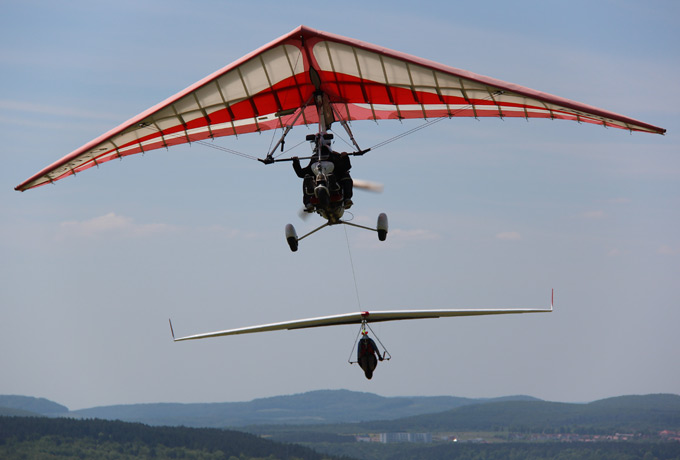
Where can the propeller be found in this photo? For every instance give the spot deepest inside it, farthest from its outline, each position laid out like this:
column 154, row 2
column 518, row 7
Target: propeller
column 302, row 214
column 376, row 187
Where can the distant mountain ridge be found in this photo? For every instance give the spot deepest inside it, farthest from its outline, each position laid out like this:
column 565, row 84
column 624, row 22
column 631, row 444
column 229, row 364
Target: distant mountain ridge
column 27, row 405
column 321, row 406
column 653, row 412
column 315, row 407
column 372, row 412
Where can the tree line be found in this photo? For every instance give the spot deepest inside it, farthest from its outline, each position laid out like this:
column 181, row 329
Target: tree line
column 49, row 438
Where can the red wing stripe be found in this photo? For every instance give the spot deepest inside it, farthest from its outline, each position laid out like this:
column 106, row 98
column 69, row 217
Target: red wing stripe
column 368, row 81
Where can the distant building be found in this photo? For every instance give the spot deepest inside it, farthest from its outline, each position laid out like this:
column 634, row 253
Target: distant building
column 405, row 437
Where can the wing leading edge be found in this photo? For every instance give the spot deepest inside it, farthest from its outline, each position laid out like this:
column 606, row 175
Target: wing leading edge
column 271, row 88
column 358, row 318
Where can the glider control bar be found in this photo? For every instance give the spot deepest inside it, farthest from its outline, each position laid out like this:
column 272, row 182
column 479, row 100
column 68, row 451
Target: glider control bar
column 270, row 160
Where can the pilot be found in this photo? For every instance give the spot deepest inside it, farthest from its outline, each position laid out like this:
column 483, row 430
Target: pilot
column 368, row 354
column 341, row 167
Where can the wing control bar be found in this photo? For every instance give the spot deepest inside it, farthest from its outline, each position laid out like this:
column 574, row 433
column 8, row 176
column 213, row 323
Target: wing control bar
column 270, row 160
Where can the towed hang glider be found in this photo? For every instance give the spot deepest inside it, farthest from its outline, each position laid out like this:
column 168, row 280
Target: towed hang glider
column 309, row 77
column 363, row 318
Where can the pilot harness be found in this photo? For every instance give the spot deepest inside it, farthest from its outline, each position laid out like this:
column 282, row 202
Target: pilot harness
column 364, row 331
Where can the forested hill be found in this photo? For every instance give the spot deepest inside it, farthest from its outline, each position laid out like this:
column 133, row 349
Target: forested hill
column 625, row 413
column 385, row 414
column 322, row 406
column 15, row 405
column 42, row 437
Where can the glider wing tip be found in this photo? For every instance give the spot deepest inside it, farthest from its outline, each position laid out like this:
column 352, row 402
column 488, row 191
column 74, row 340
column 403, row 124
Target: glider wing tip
column 172, row 331
column 552, row 298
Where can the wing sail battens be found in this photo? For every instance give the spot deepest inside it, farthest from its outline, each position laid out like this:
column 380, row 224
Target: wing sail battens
column 371, row 82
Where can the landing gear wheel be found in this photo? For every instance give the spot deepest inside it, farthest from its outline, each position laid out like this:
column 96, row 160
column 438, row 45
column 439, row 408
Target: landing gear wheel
column 291, row 237
column 382, row 226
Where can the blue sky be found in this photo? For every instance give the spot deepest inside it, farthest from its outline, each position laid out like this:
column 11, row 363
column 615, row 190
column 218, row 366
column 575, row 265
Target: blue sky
column 484, row 213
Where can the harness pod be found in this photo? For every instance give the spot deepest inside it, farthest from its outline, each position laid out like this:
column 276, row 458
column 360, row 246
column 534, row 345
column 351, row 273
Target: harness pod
column 363, row 330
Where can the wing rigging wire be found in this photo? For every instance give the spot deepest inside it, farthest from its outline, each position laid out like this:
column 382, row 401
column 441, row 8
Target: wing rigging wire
column 386, row 354
column 406, row 133
column 433, row 121
column 364, row 323
column 208, row 144
column 225, row 149
column 285, row 98
column 376, row 146
column 351, row 263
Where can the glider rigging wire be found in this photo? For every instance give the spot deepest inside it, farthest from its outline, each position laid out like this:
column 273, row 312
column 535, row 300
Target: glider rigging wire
column 432, row 122
column 212, row 146
column 386, row 354
column 406, row 133
column 376, row 146
column 364, row 324
column 283, row 103
column 224, row 149
column 351, row 263
column 292, row 148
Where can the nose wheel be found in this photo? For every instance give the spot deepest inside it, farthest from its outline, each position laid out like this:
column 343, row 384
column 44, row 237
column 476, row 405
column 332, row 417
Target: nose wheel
column 292, row 239
column 382, row 226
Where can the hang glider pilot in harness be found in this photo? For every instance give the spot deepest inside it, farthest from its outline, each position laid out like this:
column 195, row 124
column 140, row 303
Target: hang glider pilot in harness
column 368, row 354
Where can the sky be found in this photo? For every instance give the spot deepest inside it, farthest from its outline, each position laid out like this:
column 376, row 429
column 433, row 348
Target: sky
column 483, row 213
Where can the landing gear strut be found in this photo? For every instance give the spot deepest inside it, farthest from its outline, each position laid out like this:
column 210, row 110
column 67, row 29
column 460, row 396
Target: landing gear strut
column 381, row 229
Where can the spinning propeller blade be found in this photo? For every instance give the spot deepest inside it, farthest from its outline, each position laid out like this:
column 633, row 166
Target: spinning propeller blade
column 368, row 185
column 302, row 214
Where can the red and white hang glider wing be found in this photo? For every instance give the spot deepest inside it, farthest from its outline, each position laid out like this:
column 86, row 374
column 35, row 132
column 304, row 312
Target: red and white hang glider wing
column 357, row 318
column 269, row 87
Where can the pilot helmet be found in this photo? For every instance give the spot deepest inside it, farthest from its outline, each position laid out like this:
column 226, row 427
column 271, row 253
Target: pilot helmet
column 320, row 139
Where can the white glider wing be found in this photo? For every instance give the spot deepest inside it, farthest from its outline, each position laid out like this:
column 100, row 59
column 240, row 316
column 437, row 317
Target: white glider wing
column 358, row 318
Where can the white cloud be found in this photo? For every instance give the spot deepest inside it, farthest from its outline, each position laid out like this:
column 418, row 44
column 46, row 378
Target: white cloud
column 109, row 224
column 509, row 236
column 41, row 109
column 593, row 215
column 226, row 232
column 413, row 235
column 115, row 225
column 667, row 250
column 620, row 200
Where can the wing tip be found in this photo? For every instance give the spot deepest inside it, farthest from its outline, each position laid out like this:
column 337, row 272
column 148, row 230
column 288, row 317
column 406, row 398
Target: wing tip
column 172, row 331
column 552, row 299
